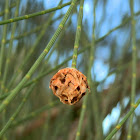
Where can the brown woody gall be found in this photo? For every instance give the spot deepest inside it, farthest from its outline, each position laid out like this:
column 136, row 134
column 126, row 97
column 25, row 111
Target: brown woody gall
column 69, row 85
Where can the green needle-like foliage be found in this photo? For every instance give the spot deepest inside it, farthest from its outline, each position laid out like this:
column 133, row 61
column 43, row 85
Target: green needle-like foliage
column 95, row 102
column 35, row 113
column 34, row 14
column 43, row 31
column 36, row 45
column 82, row 114
column 134, row 61
column 3, row 12
column 95, row 105
column 28, row 56
column 43, row 74
column 23, row 101
column 74, row 62
column 15, row 91
column 123, row 121
column 3, row 37
column 78, row 33
column 12, row 118
column 10, row 46
column 9, row 54
column 38, row 28
column 2, row 53
column 46, row 73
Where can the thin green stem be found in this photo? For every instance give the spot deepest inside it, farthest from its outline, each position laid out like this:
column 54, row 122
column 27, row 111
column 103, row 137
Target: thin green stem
column 113, row 132
column 84, row 105
column 134, row 61
column 34, row 14
column 4, row 37
column 15, row 91
column 2, row 55
column 31, row 52
column 10, row 46
column 12, row 5
column 53, row 69
column 95, row 101
column 78, row 35
column 43, row 70
column 59, row 66
column 82, row 114
column 35, row 113
column 45, row 131
column 36, row 29
column 8, row 57
column 45, row 73
column 12, row 118
column 117, row 27
column 46, row 126
column 29, row 55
